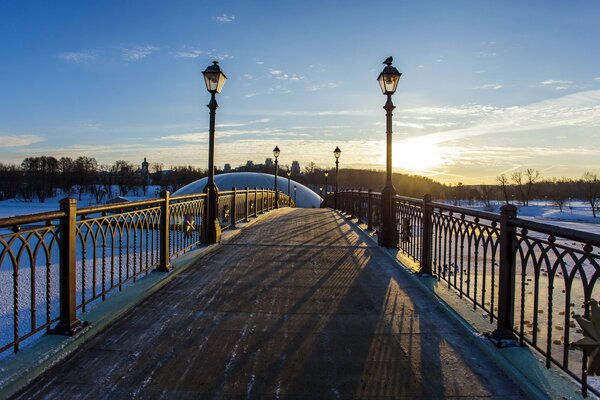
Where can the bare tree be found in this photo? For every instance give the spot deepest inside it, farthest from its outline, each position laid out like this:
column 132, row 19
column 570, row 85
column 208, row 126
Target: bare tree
column 559, row 193
column 591, row 190
column 487, row 192
column 532, row 176
column 517, row 179
column 504, row 188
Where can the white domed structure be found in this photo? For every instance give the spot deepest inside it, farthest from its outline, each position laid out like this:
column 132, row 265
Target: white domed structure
column 305, row 197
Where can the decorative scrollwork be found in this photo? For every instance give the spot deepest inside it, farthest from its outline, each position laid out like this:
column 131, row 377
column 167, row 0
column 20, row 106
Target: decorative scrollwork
column 189, row 225
column 590, row 343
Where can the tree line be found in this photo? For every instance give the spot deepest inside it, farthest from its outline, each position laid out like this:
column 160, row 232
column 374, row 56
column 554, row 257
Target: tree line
column 41, row 177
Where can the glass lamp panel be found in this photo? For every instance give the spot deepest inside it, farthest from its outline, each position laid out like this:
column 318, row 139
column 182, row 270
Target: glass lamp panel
column 211, row 79
column 221, row 82
column 337, row 152
column 276, row 152
column 388, row 82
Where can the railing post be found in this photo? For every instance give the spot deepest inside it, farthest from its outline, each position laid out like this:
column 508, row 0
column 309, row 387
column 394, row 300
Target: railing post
column 369, row 211
column 426, row 236
column 255, row 201
column 68, row 323
column 165, row 256
column 506, row 276
column 352, row 206
column 233, row 208
column 359, row 204
column 247, row 217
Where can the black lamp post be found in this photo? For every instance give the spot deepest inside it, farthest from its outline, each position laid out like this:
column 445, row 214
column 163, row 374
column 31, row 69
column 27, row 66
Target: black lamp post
column 388, row 235
column 295, row 204
column 214, row 79
column 276, row 155
column 289, row 174
column 326, row 175
column 337, row 152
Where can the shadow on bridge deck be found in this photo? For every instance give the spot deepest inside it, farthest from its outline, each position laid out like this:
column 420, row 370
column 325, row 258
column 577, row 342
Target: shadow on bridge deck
column 300, row 305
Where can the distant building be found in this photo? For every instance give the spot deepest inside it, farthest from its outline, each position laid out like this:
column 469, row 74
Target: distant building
column 145, row 166
column 269, row 162
column 295, row 168
column 145, row 172
column 249, row 164
column 227, row 168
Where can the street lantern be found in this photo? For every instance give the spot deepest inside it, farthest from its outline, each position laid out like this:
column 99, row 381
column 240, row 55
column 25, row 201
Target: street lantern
column 388, row 234
column 276, row 152
column 295, row 203
column 289, row 175
column 337, row 153
column 389, row 78
column 326, row 175
column 214, row 79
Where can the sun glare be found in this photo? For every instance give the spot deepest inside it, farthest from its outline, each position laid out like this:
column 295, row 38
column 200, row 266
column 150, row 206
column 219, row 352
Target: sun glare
column 420, row 154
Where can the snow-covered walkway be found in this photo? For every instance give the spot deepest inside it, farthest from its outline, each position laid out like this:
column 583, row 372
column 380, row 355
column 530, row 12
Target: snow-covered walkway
column 300, row 305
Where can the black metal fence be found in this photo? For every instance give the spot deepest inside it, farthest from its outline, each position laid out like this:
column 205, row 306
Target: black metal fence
column 529, row 278
column 53, row 265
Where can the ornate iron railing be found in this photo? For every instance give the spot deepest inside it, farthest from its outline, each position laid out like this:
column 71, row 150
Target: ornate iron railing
column 528, row 277
column 54, row 265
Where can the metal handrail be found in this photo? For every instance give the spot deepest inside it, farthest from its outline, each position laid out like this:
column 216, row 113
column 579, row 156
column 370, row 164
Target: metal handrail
column 66, row 260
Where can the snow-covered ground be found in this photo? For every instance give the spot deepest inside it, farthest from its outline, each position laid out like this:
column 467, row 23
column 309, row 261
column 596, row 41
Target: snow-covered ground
column 575, row 215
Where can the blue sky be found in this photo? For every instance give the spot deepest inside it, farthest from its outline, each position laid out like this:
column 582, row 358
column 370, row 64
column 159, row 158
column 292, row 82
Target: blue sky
column 487, row 87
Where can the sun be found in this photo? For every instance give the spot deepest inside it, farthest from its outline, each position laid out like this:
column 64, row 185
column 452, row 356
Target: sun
column 420, row 154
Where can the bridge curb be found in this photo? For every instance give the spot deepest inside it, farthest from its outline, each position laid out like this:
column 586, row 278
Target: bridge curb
column 511, row 360
column 19, row 370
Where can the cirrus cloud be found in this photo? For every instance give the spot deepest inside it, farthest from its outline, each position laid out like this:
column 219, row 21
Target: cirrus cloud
column 19, row 140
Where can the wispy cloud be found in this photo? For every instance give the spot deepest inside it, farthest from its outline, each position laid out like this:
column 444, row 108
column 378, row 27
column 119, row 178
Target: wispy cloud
column 135, row 53
column 279, row 74
column 556, row 84
column 218, row 55
column 494, row 86
column 580, row 109
column 597, row 78
column 225, row 18
column 19, row 140
column 192, row 53
column 76, row 57
column 326, row 85
column 327, row 113
column 238, row 124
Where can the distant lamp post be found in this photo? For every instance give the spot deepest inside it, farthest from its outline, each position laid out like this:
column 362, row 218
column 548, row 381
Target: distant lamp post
column 326, row 175
column 388, row 235
column 276, row 155
column 295, row 204
column 214, row 79
column 289, row 175
column 337, row 152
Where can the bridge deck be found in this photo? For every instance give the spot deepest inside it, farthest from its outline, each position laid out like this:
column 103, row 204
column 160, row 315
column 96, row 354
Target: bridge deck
column 299, row 306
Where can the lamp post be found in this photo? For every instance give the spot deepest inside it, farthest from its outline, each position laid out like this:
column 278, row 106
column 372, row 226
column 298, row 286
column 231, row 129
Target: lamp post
column 388, row 235
column 214, row 79
column 326, row 175
column 276, row 155
column 295, row 204
column 337, row 152
column 289, row 174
